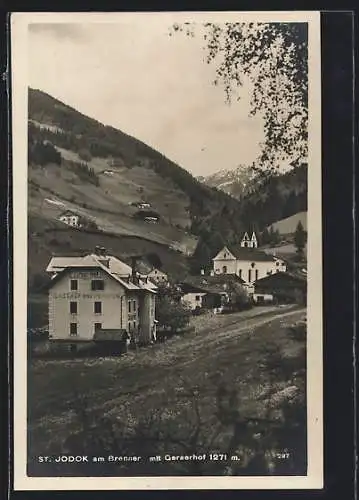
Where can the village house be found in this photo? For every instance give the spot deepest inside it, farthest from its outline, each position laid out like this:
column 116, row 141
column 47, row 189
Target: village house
column 152, row 273
column 70, row 218
column 282, row 287
column 207, row 291
column 99, row 293
column 249, row 263
column 157, row 276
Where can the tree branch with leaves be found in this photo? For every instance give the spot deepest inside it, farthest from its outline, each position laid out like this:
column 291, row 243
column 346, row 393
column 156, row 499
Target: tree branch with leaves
column 273, row 59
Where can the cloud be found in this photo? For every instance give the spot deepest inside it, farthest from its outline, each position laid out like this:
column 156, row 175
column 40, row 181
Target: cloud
column 157, row 88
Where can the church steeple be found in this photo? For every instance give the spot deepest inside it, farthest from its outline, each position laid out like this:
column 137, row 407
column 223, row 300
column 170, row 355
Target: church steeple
column 249, row 242
column 254, row 240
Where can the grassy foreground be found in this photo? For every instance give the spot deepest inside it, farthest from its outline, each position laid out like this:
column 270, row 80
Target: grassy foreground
column 235, row 386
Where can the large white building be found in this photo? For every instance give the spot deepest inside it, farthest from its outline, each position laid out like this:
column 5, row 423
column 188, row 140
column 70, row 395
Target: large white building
column 249, row 264
column 99, row 293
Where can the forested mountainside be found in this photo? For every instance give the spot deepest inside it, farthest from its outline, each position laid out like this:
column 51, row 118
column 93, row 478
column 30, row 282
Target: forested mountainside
column 100, row 173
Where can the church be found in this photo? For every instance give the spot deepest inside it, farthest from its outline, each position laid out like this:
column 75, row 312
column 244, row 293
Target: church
column 246, row 261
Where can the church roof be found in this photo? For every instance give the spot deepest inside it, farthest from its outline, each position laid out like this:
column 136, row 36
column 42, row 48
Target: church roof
column 252, row 254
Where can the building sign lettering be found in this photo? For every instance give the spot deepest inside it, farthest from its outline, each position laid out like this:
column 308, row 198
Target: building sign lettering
column 86, row 275
column 77, row 296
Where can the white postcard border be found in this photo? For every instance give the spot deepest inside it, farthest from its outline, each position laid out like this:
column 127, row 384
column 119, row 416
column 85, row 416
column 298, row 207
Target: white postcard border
column 314, row 478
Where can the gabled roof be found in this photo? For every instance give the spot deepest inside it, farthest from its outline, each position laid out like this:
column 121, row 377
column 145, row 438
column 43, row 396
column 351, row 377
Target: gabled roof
column 245, row 237
column 211, row 284
column 68, row 212
column 56, row 264
column 251, row 254
column 115, row 271
column 281, row 278
column 254, row 237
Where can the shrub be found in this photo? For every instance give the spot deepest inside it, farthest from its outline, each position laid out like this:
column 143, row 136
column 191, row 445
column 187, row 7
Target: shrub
column 171, row 314
column 238, row 298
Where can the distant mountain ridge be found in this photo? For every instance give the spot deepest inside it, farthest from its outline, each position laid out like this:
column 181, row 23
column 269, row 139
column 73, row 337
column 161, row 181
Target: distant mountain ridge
column 234, row 182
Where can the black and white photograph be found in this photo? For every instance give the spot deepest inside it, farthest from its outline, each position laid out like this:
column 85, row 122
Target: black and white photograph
column 167, row 250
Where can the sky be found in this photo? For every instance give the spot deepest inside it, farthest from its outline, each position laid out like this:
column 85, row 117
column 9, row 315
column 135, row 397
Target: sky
column 155, row 87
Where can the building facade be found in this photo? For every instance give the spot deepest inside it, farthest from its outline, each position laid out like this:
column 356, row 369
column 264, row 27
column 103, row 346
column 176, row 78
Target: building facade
column 86, row 296
column 248, row 263
column 282, row 288
column 208, row 291
column 157, row 276
column 70, row 218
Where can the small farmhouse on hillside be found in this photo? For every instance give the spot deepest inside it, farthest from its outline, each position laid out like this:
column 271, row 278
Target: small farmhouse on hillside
column 70, row 218
column 207, row 291
column 282, row 287
column 250, row 264
column 99, row 293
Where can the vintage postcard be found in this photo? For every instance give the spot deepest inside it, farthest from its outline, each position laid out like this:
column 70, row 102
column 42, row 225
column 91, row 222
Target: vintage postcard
column 167, row 250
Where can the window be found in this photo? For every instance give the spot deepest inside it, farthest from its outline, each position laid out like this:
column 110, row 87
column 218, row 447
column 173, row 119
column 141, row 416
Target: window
column 74, row 285
column 73, row 307
column 225, row 255
column 240, row 273
column 73, row 329
column 224, row 269
column 98, row 307
column 249, row 275
column 132, row 304
column 198, row 297
column 97, row 285
column 132, row 326
column 98, row 326
column 245, row 244
column 256, row 274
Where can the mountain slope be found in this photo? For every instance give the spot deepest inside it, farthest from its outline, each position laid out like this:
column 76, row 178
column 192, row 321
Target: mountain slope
column 98, row 172
column 233, row 182
column 289, row 224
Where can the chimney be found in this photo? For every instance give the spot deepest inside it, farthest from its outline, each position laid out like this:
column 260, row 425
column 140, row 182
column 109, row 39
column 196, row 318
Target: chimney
column 97, row 250
column 134, row 269
column 202, row 272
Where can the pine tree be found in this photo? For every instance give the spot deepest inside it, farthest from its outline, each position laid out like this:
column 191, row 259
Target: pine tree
column 300, row 239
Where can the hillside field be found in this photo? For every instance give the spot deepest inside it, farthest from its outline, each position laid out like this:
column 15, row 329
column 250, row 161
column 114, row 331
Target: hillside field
column 289, row 224
column 151, row 401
